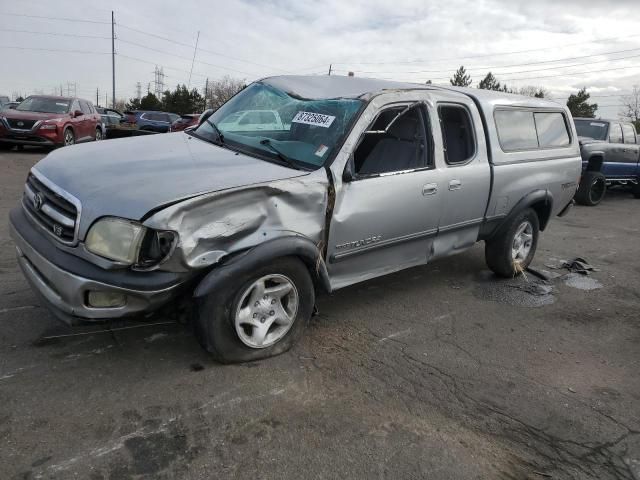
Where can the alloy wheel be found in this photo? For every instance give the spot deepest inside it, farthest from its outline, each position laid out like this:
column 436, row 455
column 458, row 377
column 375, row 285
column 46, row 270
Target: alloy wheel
column 266, row 311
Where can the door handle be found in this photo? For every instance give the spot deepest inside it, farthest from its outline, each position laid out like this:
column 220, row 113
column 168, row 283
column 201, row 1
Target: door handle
column 430, row 189
column 455, row 185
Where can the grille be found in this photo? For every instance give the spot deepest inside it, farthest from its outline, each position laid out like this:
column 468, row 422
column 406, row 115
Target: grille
column 54, row 213
column 26, row 124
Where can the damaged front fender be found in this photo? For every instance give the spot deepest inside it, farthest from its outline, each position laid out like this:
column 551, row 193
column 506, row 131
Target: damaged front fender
column 213, row 226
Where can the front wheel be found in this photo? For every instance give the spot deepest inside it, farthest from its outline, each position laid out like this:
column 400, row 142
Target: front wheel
column 512, row 249
column 257, row 315
column 68, row 138
column 98, row 134
column 636, row 188
column 593, row 186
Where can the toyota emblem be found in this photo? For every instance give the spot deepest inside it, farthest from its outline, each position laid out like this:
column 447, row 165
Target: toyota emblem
column 37, row 201
column 21, row 124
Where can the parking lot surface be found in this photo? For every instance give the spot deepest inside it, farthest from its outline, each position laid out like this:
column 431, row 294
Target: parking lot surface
column 439, row 372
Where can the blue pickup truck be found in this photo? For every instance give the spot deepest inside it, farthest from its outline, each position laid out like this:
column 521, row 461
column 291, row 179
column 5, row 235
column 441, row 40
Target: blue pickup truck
column 610, row 155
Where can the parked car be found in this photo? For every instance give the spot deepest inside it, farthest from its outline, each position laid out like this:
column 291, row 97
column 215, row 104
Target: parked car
column 253, row 120
column 50, row 122
column 610, row 156
column 9, row 105
column 371, row 177
column 3, row 101
column 111, row 119
column 185, row 121
column 149, row 120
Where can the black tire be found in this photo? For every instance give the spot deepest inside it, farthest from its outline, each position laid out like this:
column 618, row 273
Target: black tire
column 68, row 137
column 99, row 135
column 592, row 189
column 635, row 189
column 215, row 314
column 499, row 249
column 5, row 146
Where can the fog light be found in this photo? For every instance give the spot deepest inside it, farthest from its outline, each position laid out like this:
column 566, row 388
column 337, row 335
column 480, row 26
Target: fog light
column 106, row 299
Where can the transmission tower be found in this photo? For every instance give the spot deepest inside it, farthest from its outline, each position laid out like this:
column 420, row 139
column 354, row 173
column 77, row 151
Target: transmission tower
column 158, row 82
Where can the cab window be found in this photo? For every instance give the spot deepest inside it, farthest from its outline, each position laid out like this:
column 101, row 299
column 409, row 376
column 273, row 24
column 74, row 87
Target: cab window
column 615, row 133
column 457, row 134
column 629, row 133
column 396, row 142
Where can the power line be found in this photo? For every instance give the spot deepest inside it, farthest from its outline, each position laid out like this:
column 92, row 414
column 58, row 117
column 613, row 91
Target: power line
column 183, row 57
column 53, row 33
column 212, row 52
column 441, row 60
column 79, row 20
column 522, row 64
column 55, row 50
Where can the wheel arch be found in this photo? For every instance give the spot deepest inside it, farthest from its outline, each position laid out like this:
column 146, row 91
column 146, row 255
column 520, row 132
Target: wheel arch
column 595, row 162
column 243, row 262
column 541, row 201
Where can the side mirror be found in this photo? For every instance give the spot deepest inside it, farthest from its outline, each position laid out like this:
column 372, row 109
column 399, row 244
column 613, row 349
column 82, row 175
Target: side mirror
column 77, row 113
column 349, row 171
column 206, row 114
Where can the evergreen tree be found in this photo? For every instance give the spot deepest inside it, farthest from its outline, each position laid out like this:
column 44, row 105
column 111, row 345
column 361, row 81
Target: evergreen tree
column 579, row 106
column 460, row 78
column 491, row 83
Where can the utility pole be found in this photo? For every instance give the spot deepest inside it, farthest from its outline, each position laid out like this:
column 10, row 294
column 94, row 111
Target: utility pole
column 330, row 65
column 97, row 96
column 206, row 92
column 193, row 59
column 113, row 60
column 138, row 90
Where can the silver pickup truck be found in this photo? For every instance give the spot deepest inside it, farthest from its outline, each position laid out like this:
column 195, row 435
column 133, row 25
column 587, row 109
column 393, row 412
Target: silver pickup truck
column 369, row 177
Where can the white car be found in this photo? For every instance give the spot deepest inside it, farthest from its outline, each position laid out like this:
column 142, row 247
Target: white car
column 253, row 120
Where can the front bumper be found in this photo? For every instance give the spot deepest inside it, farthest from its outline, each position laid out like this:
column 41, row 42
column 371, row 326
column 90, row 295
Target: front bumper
column 28, row 139
column 65, row 292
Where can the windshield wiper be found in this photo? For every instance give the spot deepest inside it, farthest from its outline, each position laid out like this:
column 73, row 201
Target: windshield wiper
column 218, row 132
column 266, row 142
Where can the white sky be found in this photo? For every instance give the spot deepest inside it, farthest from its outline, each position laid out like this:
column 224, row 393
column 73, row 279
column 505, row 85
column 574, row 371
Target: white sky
column 402, row 40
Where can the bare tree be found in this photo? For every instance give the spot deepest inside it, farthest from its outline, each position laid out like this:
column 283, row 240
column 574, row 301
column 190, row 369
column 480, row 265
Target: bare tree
column 533, row 91
column 631, row 107
column 220, row 91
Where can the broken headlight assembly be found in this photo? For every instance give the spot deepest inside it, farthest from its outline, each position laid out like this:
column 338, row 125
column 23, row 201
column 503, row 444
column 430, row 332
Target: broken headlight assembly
column 129, row 242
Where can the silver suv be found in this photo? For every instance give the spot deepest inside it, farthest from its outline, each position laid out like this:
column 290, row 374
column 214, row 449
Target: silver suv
column 361, row 178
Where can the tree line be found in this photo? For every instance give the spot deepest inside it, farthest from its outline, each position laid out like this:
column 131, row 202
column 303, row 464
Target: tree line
column 183, row 101
column 578, row 103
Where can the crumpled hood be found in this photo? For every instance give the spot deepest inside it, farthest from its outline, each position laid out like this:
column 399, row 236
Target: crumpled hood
column 129, row 177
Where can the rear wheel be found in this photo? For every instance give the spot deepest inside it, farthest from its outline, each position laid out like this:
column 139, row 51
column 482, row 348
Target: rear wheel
column 257, row 315
column 592, row 189
column 635, row 189
column 98, row 134
column 512, row 249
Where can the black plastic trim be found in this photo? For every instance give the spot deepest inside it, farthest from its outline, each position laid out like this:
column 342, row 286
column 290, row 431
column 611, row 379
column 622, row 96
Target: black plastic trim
column 290, row 246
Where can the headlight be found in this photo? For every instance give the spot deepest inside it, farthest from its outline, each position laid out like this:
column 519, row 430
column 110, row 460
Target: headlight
column 48, row 126
column 116, row 239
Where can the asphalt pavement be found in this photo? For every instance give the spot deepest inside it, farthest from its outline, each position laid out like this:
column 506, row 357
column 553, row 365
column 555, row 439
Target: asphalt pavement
column 438, row 372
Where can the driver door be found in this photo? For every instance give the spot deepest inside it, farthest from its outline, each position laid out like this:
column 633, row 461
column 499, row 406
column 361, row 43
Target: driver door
column 386, row 215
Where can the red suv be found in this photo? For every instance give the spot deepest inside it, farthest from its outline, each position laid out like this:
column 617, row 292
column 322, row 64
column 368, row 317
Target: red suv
column 50, row 121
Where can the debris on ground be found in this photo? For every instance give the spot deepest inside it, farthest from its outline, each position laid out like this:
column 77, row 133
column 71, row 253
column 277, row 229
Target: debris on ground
column 577, row 265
